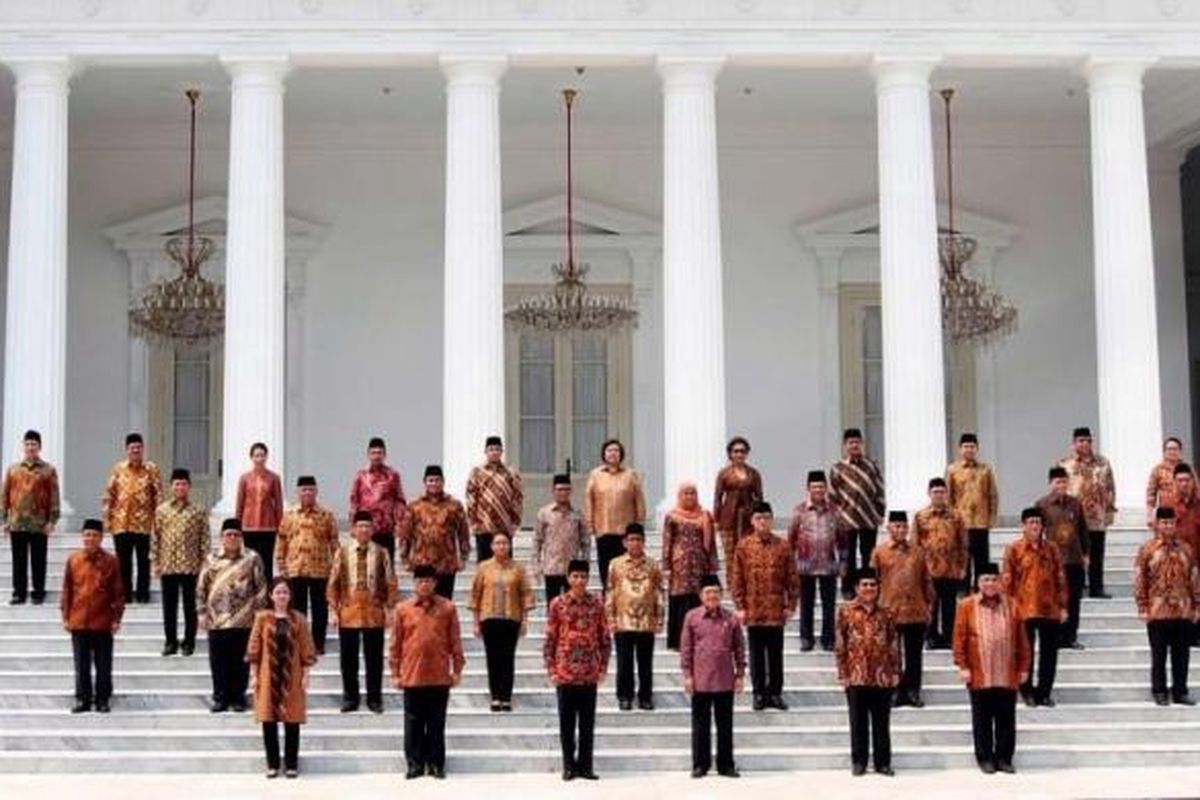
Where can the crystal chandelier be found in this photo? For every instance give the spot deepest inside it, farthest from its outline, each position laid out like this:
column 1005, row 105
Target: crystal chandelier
column 972, row 311
column 569, row 306
column 188, row 308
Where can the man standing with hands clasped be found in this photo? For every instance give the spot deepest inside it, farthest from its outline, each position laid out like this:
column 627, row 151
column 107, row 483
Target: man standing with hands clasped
column 712, row 655
column 634, row 608
column 93, row 600
column 1166, row 588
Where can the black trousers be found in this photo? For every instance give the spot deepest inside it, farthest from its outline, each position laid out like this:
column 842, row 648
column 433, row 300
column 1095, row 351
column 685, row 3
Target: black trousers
column 92, row 649
column 500, row 644
column 483, row 547
column 175, row 588
column 1044, row 637
column 978, row 555
column 1095, row 570
column 678, row 605
column 608, row 547
column 766, row 659
column 28, row 550
column 386, row 540
column 304, row 590
column 912, row 641
column 706, row 706
column 263, row 543
column 425, row 726
column 865, row 539
column 994, row 724
column 227, row 660
column 127, row 545
column 631, row 645
column 941, row 624
column 870, row 716
column 1169, row 635
column 555, row 585
column 291, row 744
column 577, row 707
column 372, row 647
column 810, row 586
column 1075, row 578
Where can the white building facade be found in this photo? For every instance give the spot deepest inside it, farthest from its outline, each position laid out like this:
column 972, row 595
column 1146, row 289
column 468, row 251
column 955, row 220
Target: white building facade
column 762, row 177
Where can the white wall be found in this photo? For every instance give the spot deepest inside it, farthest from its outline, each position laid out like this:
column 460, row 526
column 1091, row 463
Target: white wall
column 374, row 341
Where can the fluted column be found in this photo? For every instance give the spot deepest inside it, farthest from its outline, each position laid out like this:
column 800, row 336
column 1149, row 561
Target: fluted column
column 1126, row 319
column 693, row 310
column 35, row 343
column 473, row 324
column 914, row 404
column 255, row 341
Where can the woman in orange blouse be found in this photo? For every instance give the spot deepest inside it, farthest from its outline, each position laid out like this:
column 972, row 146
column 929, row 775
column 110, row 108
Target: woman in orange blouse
column 260, row 508
column 739, row 487
column 613, row 499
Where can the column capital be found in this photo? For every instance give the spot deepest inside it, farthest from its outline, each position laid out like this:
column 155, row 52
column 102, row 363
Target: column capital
column 1108, row 72
column 42, row 72
column 895, row 71
column 264, row 70
column 696, row 71
column 473, row 70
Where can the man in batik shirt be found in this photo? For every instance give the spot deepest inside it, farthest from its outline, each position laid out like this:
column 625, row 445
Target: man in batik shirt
column 1166, row 588
column 1067, row 527
column 856, row 487
column 1090, row 481
column 1034, row 579
column 868, row 669
column 559, row 536
column 434, row 532
column 377, row 490
column 973, row 493
column 131, row 497
column 1186, row 502
column 306, row 548
column 633, row 605
column 906, row 591
column 30, row 501
column 940, row 530
column 179, row 546
column 494, row 499
column 818, row 538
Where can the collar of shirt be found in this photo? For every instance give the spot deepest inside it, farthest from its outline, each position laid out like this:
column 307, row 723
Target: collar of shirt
column 563, row 509
column 940, row 511
column 990, row 602
column 139, row 467
column 715, row 613
column 362, row 548
column 425, row 603
column 180, row 505
column 867, row 608
column 613, row 470
column 580, row 600
column 34, row 464
column 901, row 545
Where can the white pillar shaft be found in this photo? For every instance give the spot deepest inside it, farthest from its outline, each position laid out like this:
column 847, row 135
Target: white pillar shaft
column 35, row 350
column 693, row 311
column 1126, row 320
column 473, row 325
column 254, row 270
column 914, row 406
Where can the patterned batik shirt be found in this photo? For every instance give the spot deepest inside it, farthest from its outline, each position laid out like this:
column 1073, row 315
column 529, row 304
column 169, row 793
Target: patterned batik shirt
column 131, row 497
column 379, row 493
column 577, row 642
column 501, row 591
column 905, row 587
column 362, row 586
column 1160, row 489
column 633, row 601
column 1034, row 579
column 1166, row 580
column 867, row 648
column 30, row 496
column 307, row 542
column 1066, row 526
column 434, row 533
column 817, row 536
column 687, row 555
column 180, row 540
column 231, row 589
column 943, row 536
column 856, row 487
column 494, row 499
column 1091, row 482
column 766, row 585
column 973, row 493
column 559, row 535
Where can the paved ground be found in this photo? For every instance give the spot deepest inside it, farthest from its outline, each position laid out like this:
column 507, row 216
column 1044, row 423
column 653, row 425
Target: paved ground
column 957, row 784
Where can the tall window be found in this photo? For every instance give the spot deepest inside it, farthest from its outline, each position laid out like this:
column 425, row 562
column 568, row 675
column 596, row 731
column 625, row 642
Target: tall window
column 192, row 421
column 538, row 416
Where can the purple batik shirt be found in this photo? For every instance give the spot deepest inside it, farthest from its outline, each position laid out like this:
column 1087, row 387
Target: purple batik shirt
column 712, row 650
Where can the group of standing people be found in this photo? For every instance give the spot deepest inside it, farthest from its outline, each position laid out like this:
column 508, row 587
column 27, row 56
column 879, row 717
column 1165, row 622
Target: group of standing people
column 266, row 593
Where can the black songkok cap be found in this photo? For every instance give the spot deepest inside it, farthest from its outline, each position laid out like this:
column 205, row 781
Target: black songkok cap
column 761, row 507
column 93, row 525
column 990, row 568
column 1164, row 512
column 817, row 476
column 493, row 441
column 306, row 480
column 897, row 516
column 181, row 474
column 1081, row 433
column 1057, row 472
column 133, row 438
column 968, row 438
column 362, row 516
column 376, row 441
column 434, row 471
column 424, row 571
column 709, row 580
column 866, row 574
column 577, row 565
column 1033, row 512
column 851, row 433
column 231, row 524
column 562, row 479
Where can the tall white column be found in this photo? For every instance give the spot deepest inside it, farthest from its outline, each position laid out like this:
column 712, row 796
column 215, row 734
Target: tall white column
column 693, row 310
column 914, row 404
column 255, row 337
column 35, row 343
column 473, row 325
column 1126, row 320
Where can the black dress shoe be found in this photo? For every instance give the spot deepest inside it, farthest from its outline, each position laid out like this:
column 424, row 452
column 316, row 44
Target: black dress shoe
column 777, row 703
column 170, row 649
column 1183, row 700
column 38, row 599
column 699, row 772
column 900, row 699
column 495, row 706
column 16, row 600
column 506, row 705
column 858, row 770
column 625, row 705
column 1160, row 699
column 102, row 707
column 437, row 772
column 1005, row 767
column 238, row 706
column 646, row 705
column 915, row 701
column 218, row 708
column 414, row 771
column 885, row 771
column 759, row 702
column 375, row 706
column 291, row 773
column 568, row 774
column 1048, row 702
column 1101, row 595
column 806, row 645
column 81, row 707
column 187, row 648
column 587, row 775
column 827, row 647
column 1030, row 700
column 349, row 706
column 987, row 767
column 732, row 772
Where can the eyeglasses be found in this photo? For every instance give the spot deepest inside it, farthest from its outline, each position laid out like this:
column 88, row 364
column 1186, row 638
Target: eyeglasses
column 741, row 450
